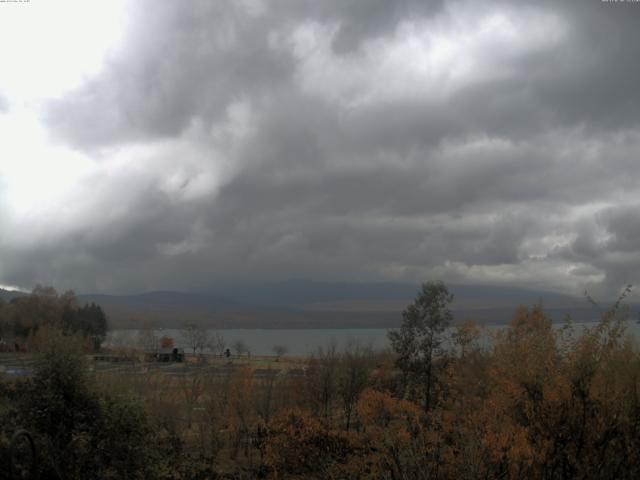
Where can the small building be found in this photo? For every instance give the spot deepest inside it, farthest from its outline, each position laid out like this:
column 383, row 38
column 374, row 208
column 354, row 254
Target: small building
column 266, row 372
column 166, row 355
column 111, row 358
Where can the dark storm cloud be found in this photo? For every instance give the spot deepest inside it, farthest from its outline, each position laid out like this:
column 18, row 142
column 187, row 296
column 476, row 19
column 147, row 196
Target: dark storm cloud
column 359, row 21
column 598, row 76
column 181, row 63
column 355, row 141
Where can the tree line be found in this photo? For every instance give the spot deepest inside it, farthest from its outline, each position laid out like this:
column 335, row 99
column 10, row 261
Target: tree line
column 23, row 316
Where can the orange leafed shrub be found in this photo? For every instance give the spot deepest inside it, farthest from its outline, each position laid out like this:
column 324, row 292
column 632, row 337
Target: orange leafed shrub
column 299, row 444
column 380, row 408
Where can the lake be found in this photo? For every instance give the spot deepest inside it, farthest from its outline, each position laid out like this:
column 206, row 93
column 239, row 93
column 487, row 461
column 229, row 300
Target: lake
column 299, row 342
column 302, row 342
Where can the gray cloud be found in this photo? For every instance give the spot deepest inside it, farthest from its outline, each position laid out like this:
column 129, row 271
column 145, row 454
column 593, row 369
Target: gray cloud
column 353, row 141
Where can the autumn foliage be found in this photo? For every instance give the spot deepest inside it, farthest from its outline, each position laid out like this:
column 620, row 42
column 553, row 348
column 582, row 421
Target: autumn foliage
column 541, row 402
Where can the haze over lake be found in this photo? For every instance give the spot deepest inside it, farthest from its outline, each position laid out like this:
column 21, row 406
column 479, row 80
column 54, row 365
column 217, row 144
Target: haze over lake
column 303, row 342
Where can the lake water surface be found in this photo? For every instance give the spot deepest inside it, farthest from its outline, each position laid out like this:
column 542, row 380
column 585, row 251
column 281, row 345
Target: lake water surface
column 302, row 342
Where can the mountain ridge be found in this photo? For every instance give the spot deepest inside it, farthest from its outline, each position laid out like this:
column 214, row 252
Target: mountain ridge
column 316, row 304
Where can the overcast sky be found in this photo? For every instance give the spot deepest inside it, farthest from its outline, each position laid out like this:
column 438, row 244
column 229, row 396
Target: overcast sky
column 180, row 145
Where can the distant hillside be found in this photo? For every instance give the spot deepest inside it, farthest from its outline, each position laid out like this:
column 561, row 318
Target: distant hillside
column 304, row 292
column 8, row 295
column 166, row 308
column 309, row 304
column 165, row 299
